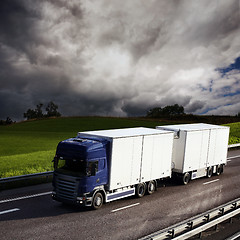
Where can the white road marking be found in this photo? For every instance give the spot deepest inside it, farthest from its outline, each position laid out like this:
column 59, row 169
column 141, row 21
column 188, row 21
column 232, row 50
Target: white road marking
column 211, row 181
column 25, row 197
column 233, row 157
column 9, row 211
column 122, row 208
column 235, row 236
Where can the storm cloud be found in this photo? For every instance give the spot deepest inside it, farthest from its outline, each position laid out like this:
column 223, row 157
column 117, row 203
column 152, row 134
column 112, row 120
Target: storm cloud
column 119, row 58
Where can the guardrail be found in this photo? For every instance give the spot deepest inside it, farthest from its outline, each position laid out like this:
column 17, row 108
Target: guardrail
column 24, row 180
column 198, row 224
column 25, row 177
column 234, row 145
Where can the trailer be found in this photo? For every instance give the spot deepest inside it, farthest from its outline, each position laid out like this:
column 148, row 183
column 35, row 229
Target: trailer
column 106, row 165
column 198, row 150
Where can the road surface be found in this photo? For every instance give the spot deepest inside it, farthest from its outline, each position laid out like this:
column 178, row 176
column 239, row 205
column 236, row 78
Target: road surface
column 30, row 213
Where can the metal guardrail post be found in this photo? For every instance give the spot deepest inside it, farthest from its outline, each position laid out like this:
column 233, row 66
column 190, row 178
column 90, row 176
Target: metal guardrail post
column 171, row 232
column 207, row 218
column 190, row 225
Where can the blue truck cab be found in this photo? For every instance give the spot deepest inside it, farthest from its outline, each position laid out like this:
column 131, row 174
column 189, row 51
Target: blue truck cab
column 81, row 171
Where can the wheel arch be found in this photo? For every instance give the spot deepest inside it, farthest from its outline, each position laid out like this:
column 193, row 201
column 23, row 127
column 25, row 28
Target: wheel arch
column 102, row 191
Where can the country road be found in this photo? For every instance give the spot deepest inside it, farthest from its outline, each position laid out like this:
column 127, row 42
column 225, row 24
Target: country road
column 30, row 213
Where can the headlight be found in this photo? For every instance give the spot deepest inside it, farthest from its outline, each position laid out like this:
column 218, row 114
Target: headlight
column 81, row 198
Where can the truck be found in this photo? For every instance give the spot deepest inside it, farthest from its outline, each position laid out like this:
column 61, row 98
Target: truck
column 105, row 165
column 198, row 150
column 101, row 166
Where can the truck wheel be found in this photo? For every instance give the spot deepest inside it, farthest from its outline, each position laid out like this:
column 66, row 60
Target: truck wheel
column 186, row 178
column 140, row 190
column 97, row 201
column 151, row 187
column 209, row 172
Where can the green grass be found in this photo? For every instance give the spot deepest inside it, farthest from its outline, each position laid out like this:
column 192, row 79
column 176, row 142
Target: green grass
column 234, row 132
column 29, row 147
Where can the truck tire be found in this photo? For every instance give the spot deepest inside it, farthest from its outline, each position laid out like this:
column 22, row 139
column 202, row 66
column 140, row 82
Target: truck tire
column 209, row 172
column 151, row 187
column 97, row 201
column 140, row 190
column 186, row 178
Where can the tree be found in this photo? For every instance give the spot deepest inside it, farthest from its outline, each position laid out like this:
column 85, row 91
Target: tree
column 7, row 122
column 174, row 110
column 168, row 111
column 52, row 110
column 37, row 113
column 154, row 112
column 30, row 114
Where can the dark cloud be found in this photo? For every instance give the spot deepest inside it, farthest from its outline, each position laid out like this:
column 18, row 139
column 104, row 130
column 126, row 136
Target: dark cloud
column 195, row 106
column 18, row 31
column 118, row 58
column 73, row 7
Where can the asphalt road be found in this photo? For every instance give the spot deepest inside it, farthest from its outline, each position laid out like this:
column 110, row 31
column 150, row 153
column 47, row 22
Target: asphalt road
column 30, row 213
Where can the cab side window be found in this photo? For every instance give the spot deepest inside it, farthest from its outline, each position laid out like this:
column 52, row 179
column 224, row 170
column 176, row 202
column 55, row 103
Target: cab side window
column 92, row 168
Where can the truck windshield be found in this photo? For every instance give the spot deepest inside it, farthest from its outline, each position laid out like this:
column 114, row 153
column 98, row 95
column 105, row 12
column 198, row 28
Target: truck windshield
column 74, row 166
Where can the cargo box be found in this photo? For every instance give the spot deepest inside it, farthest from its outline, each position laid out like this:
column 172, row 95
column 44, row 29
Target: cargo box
column 198, row 146
column 136, row 155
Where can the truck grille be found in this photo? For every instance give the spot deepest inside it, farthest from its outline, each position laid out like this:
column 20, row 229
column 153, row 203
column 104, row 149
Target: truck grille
column 66, row 187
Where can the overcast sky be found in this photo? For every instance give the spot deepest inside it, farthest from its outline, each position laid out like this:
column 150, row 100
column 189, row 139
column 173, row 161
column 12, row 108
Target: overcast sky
column 119, row 58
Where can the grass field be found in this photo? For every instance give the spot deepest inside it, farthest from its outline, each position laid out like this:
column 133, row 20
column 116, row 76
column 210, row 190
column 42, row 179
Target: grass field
column 29, row 147
column 234, row 132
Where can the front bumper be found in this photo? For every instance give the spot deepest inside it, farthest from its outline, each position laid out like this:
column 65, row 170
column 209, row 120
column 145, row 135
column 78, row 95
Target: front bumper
column 83, row 200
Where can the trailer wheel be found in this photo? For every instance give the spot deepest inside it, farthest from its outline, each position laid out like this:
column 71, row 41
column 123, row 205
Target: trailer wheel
column 219, row 169
column 151, row 187
column 222, row 167
column 209, row 172
column 140, row 190
column 97, row 201
column 186, row 178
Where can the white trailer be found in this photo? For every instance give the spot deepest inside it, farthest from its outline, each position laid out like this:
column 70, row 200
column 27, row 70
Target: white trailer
column 138, row 157
column 198, row 149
